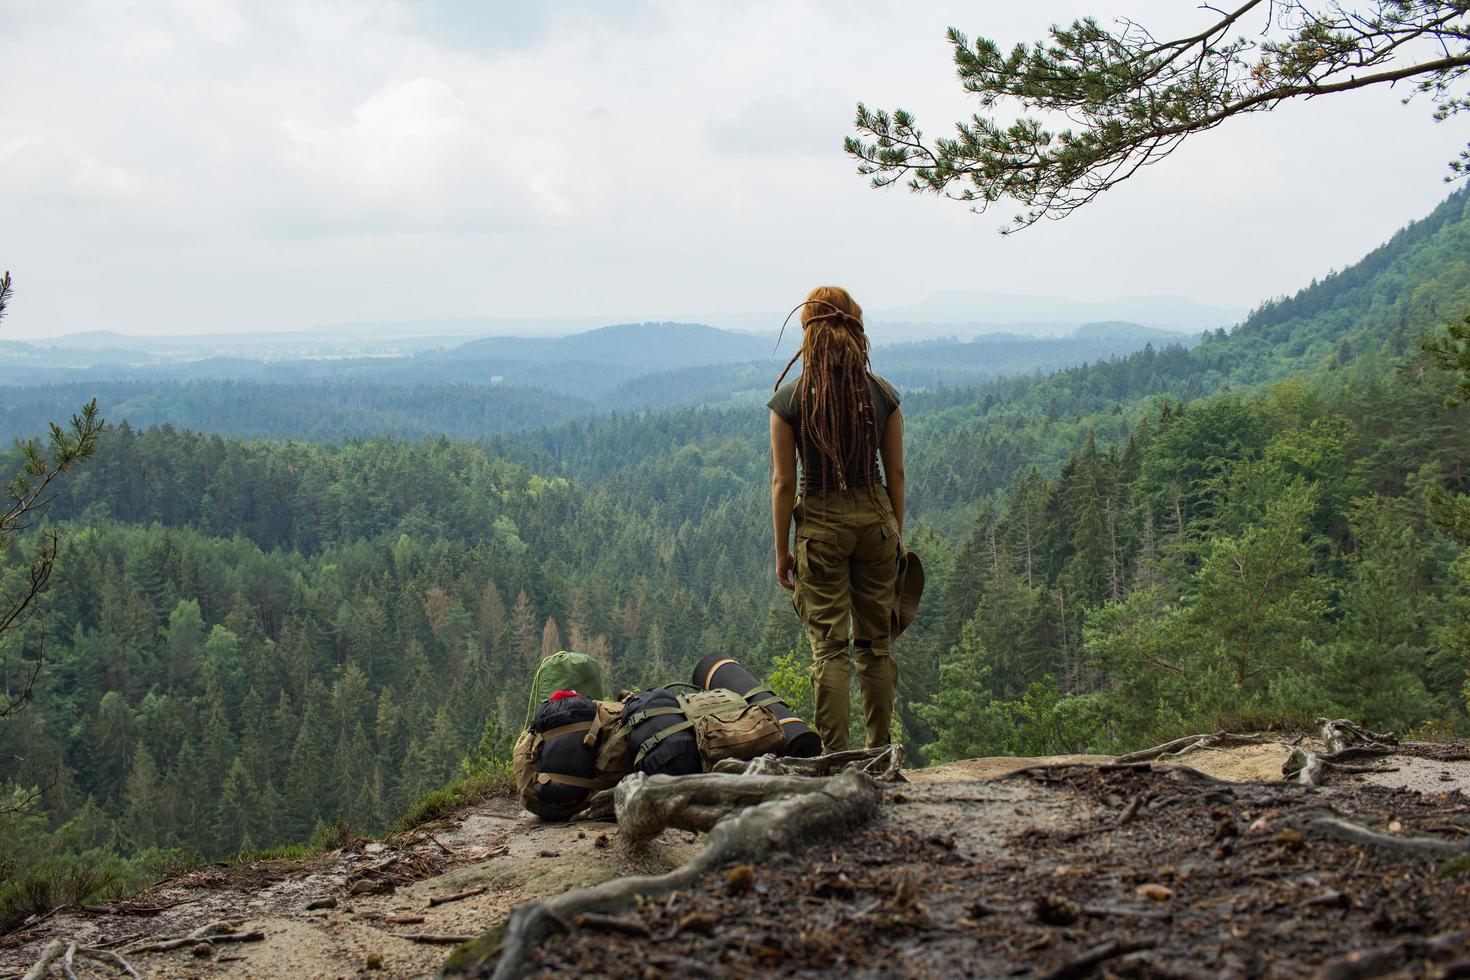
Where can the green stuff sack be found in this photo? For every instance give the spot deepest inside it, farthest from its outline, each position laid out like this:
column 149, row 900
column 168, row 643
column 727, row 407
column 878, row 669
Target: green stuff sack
column 565, row 671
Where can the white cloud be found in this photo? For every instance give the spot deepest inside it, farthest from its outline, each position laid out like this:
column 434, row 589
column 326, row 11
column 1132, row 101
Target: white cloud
column 162, row 157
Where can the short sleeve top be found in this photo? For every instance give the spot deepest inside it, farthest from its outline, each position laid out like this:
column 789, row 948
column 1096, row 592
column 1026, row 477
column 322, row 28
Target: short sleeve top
column 814, row 476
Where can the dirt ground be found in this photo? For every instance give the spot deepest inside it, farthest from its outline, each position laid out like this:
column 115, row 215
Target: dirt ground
column 978, row 843
column 1066, row 872
column 497, row 849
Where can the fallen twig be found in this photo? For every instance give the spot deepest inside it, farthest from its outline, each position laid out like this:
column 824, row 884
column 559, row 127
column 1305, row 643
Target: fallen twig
column 108, row 956
column 611, row 923
column 432, row 939
column 457, row 896
column 1084, row 963
column 1365, row 963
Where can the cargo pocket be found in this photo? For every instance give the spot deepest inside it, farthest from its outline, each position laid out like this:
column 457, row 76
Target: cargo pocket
column 799, row 574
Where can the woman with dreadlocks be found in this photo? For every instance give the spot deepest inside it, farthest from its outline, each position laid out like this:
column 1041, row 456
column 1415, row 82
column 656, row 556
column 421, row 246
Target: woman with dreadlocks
column 839, row 418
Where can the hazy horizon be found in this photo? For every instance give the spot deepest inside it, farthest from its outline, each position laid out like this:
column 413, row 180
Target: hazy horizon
column 188, row 169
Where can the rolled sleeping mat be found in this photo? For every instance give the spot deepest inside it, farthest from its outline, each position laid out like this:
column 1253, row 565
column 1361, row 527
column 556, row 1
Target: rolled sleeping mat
column 718, row 670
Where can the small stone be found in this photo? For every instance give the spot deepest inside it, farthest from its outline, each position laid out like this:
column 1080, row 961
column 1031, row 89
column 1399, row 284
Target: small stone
column 321, row 903
column 1155, row 891
column 600, row 841
column 373, row 848
column 1057, row 910
column 548, row 854
column 1395, row 827
column 202, row 950
column 374, row 961
column 700, row 922
column 362, row 887
column 740, row 879
column 1289, row 838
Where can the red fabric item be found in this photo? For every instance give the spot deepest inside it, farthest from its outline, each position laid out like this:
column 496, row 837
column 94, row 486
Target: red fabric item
column 558, row 695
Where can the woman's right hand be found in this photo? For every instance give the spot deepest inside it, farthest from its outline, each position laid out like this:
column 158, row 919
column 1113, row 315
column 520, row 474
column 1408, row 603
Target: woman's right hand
column 786, row 570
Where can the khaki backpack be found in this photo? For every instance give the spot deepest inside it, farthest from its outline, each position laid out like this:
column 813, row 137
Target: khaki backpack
column 725, row 724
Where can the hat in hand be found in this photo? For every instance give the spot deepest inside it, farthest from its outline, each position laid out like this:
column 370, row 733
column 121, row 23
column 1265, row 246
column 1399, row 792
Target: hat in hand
column 909, row 591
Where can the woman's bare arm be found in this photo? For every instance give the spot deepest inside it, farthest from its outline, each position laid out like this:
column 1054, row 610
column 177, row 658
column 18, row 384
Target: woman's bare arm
column 783, row 495
column 891, row 452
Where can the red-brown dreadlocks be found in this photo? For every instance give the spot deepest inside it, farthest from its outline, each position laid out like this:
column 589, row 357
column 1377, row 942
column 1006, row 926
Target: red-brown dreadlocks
column 836, row 402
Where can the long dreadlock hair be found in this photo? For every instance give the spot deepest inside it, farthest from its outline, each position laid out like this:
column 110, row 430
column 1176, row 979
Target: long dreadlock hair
column 835, row 400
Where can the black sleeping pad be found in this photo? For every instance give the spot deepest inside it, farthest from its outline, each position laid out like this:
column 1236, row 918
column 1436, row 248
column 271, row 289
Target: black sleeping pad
column 676, row 754
column 564, row 755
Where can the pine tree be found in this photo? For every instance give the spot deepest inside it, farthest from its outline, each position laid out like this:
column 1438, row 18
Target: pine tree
column 233, row 816
column 144, row 822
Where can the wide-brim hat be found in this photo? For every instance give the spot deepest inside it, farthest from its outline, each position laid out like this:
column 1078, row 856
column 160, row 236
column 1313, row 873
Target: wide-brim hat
column 909, row 591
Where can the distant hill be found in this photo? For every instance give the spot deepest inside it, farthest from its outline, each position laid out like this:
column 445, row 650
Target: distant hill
column 1123, row 329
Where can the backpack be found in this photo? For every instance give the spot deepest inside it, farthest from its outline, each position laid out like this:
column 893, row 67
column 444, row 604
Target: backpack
column 686, row 733
column 566, row 754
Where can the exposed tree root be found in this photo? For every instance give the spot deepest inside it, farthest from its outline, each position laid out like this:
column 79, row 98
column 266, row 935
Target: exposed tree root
column 1393, row 957
column 1193, row 743
column 68, row 952
column 1344, row 740
column 1353, row 833
column 1303, row 766
column 883, row 764
column 1340, row 733
column 790, row 813
column 212, row 932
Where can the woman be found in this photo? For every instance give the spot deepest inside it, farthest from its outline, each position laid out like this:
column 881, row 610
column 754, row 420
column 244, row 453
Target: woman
column 839, row 418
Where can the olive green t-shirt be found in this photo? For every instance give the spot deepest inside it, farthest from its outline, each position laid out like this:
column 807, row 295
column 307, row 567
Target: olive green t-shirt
column 814, row 475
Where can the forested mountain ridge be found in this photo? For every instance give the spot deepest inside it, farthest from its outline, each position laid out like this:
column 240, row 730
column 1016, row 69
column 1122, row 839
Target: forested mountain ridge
column 247, row 639
column 494, row 386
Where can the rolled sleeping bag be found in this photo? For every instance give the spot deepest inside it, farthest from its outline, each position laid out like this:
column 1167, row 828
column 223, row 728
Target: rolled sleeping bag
column 566, row 767
column 659, row 735
column 718, row 670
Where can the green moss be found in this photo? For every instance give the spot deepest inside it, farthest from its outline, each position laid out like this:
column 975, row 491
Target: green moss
column 475, row 953
column 455, row 797
column 1454, row 868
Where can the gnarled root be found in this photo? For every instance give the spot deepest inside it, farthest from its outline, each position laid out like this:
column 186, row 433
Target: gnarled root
column 1192, row 743
column 1363, row 963
column 1340, row 734
column 883, row 764
column 68, row 952
column 792, row 812
column 1353, row 833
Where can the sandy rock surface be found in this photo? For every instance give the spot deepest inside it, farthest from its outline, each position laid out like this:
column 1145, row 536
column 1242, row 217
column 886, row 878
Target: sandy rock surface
column 375, row 891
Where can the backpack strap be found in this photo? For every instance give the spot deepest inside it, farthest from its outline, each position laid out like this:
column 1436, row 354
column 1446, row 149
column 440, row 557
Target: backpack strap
column 638, row 718
column 762, row 702
column 576, row 726
column 651, row 743
column 601, row 782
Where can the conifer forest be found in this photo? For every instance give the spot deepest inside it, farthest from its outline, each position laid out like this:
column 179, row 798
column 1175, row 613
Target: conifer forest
column 246, row 643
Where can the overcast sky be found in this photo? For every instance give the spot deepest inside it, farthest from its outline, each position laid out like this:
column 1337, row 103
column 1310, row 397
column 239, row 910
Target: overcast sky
column 172, row 167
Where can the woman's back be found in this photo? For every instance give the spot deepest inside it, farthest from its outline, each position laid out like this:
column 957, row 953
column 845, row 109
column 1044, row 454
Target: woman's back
column 816, row 473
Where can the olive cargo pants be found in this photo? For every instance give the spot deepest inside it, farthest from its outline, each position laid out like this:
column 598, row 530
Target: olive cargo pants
column 846, row 574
